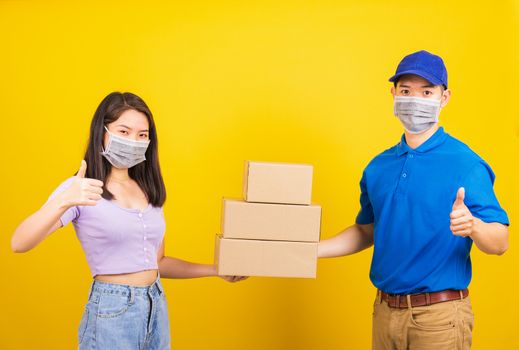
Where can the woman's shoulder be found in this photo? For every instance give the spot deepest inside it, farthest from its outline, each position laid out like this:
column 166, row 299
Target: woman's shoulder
column 68, row 181
column 61, row 187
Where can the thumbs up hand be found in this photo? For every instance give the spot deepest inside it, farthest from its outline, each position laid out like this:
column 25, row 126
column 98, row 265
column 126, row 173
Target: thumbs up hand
column 82, row 170
column 83, row 191
column 462, row 221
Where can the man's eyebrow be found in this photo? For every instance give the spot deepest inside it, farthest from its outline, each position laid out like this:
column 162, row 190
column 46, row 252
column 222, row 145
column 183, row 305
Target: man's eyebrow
column 423, row 86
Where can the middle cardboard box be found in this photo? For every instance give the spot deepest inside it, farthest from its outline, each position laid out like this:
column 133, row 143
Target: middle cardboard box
column 266, row 221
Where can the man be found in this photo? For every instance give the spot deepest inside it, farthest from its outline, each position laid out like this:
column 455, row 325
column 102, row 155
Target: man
column 423, row 203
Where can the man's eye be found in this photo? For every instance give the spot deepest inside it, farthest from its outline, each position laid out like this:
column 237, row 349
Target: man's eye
column 427, row 93
column 404, row 92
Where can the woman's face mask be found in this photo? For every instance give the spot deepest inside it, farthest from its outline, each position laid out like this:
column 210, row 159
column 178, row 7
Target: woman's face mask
column 124, row 153
column 417, row 114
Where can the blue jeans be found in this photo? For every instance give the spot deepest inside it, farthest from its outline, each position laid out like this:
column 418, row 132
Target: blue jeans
column 125, row 317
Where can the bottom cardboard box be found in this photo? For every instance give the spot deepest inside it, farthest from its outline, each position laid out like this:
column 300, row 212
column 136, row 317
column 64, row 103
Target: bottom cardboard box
column 244, row 257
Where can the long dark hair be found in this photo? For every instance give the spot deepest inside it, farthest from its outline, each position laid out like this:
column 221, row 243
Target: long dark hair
column 147, row 174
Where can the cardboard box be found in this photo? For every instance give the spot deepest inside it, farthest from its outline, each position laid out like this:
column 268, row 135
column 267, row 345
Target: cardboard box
column 277, row 183
column 280, row 222
column 242, row 257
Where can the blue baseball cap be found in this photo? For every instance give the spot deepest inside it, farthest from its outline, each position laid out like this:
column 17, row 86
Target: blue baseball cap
column 424, row 64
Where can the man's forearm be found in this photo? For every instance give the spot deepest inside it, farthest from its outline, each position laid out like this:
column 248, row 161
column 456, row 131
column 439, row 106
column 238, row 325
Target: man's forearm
column 490, row 238
column 352, row 240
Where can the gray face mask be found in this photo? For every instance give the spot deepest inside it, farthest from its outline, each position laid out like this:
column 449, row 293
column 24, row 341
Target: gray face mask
column 124, row 153
column 417, row 114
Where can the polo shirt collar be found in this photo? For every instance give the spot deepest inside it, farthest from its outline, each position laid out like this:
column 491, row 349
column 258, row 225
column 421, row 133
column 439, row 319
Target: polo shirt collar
column 434, row 141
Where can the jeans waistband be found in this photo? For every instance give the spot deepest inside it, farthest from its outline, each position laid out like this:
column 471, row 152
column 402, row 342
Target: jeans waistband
column 126, row 290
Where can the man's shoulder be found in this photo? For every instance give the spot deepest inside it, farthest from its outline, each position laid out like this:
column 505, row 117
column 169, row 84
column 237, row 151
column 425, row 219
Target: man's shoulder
column 465, row 160
column 383, row 157
column 461, row 152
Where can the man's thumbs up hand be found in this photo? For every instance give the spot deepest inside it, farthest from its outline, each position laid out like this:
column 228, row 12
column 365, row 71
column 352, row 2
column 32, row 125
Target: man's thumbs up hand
column 462, row 221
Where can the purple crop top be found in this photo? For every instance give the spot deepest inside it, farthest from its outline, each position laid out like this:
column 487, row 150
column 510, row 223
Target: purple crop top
column 116, row 239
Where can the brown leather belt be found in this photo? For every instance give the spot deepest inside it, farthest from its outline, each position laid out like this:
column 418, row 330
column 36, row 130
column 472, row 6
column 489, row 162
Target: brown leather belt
column 423, row 299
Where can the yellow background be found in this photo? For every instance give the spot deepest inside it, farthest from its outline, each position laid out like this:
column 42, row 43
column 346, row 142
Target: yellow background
column 291, row 81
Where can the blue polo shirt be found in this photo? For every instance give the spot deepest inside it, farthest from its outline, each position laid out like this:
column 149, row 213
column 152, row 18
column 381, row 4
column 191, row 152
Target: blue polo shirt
column 408, row 195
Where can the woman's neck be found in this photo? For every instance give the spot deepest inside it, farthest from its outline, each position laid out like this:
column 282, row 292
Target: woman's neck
column 119, row 175
column 415, row 140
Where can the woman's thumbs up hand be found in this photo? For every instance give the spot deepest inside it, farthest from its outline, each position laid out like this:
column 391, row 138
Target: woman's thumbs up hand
column 83, row 191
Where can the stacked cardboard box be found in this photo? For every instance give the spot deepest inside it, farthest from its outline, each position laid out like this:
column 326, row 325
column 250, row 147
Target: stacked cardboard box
column 274, row 231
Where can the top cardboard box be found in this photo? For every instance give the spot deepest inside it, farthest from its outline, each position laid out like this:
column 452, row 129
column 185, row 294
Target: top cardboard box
column 281, row 183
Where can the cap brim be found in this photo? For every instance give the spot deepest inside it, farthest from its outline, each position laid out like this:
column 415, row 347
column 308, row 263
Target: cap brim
column 433, row 80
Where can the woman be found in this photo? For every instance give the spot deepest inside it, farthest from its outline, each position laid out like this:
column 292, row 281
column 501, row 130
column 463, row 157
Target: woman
column 115, row 204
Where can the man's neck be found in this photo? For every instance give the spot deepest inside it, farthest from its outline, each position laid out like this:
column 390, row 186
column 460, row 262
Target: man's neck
column 415, row 140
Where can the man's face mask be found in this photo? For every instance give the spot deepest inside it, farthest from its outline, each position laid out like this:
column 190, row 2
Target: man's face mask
column 124, row 153
column 417, row 114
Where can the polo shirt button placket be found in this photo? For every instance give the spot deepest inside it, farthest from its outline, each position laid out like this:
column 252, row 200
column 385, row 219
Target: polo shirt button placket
column 402, row 183
column 405, row 171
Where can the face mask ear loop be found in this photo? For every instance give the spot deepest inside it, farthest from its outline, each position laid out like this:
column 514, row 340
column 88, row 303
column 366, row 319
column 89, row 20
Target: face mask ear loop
column 109, row 141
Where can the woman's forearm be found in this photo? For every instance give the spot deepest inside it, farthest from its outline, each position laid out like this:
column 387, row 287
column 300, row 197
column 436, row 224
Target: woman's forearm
column 170, row 267
column 38, row 226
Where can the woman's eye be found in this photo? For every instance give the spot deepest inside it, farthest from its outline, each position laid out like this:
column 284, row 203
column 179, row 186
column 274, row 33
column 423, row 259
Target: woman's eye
column 427, row 93
column 124, row 132
column 144, row 136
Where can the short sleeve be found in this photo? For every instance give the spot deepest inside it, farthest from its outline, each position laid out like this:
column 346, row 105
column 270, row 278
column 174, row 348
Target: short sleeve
column 71, row 213
column 480, row 197
column 365, row 215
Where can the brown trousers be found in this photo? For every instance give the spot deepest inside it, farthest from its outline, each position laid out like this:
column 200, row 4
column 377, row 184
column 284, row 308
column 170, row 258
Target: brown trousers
column 440, row 326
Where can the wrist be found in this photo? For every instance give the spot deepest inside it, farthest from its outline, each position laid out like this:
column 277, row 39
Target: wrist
column 213, row 271
column 476, row 228
column 63, row 201
column 320, row 253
